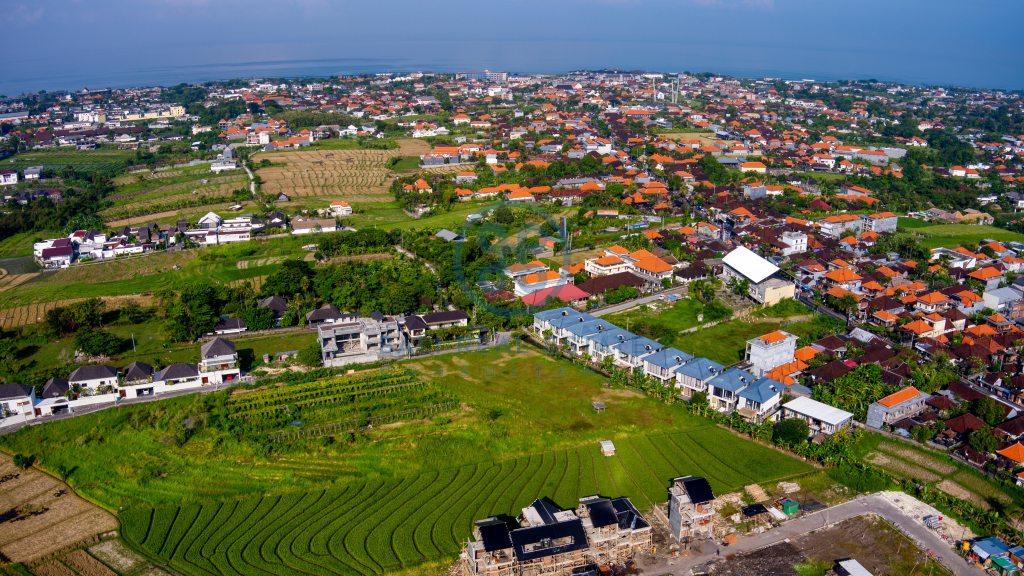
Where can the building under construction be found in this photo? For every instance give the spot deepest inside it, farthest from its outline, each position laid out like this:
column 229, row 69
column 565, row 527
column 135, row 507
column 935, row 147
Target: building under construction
column 546, row 540
column 690, row 509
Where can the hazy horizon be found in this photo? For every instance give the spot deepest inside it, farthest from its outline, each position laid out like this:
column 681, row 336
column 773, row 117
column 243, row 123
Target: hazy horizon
column 70, row 44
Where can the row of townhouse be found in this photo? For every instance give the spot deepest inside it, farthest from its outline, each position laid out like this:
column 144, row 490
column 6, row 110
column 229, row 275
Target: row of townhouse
column 753, row 393
column 99, row 384
column 728, row 390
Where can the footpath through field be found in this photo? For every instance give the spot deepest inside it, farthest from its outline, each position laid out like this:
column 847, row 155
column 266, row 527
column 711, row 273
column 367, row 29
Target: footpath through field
column 880, row 504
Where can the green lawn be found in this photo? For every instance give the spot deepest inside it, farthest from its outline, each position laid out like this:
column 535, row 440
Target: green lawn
column 969, row 235
column 726, row 342
column 392, row 498
column 907, row 223
column 665, row 318
column 20, row 244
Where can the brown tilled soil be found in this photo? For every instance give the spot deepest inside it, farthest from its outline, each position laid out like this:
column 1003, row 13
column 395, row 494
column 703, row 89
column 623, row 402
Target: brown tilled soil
column 41, row 515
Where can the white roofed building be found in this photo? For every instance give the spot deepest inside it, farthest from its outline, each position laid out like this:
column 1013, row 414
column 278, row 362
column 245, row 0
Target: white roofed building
column 742, row 264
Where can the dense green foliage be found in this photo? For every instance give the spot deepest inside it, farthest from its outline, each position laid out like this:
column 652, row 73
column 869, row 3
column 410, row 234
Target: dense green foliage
column 855, row 390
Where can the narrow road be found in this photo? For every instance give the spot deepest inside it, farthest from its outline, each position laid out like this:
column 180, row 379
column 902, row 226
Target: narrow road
column 252, row 178
column 623, row 306
column 426, row 263
column 871, row 504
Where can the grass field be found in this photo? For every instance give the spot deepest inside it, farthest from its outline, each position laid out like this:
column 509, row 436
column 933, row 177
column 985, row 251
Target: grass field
column 395, row 496
column 953, row 235
column 726, row 342
column 142, row 194
column 20, row 244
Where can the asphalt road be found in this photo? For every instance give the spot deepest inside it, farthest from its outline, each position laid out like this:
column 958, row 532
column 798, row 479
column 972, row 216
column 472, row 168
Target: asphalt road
column 871, row 504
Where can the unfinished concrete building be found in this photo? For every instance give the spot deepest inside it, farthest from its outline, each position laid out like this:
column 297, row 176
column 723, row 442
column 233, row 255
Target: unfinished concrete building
column 547, row 540
column 690, row 509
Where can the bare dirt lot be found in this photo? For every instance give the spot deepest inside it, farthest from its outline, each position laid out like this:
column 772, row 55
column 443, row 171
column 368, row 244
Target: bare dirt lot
column 40, row 515
column 873, row 542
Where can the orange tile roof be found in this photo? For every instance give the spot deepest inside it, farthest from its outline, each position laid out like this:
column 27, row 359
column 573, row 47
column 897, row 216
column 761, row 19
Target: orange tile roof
column 773, row 337
column 545, row 276
column 934, row 298
column 986, row 273
column 1013, row 452
column 899, row 397
column 886, row 316
column 842, row 275
column 806, row 353
column 608, row 261
column 654, row 265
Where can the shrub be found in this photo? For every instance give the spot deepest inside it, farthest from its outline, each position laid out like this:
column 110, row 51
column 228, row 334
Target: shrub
column 310, row 355
column 99, row 342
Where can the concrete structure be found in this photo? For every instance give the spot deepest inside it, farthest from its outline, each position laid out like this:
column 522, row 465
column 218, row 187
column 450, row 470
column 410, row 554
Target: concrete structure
column 690, row 509
column 770, row 350
column 601, row 533
column 357, row 340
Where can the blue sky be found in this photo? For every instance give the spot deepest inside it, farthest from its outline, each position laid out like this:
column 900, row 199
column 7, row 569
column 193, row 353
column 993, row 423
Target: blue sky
column 70, row 43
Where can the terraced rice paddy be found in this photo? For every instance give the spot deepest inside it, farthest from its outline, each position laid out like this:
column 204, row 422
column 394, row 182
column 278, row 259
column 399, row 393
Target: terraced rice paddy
column 352, row 175
column 8, row 281
column 148, row 194
column 106, row 158
column 46, row 517
column 34, row 313
column 378, row 526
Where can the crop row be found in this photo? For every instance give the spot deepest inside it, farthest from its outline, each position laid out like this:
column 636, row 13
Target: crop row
column 383, row 525
column 276, row 395
column 332, row 399
column 325, row 389
column 386, row 417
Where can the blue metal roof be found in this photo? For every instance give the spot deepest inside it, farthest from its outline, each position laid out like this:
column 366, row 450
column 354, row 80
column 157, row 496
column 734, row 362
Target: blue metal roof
column 668, row 358
column 638, row 346
column 592, row 327
column 610, row 337
column 701, row 368
column 569, row 320
column 555, row 313
column 991, row 546
column 762, row 390
column 732, row 380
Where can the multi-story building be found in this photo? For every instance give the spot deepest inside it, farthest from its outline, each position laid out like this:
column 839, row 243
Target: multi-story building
column 360, row 340
column 902, row 404
column 770, row 350
column 546, row 540
column 690, row 509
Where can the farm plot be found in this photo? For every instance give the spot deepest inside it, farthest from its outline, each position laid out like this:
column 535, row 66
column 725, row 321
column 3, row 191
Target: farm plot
column 35, row 313
column 378, row 526
column 40, row 516
column 8, row 281
column 353, row 175
column 156, row 192
column 338, row 405
column 83, row 160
